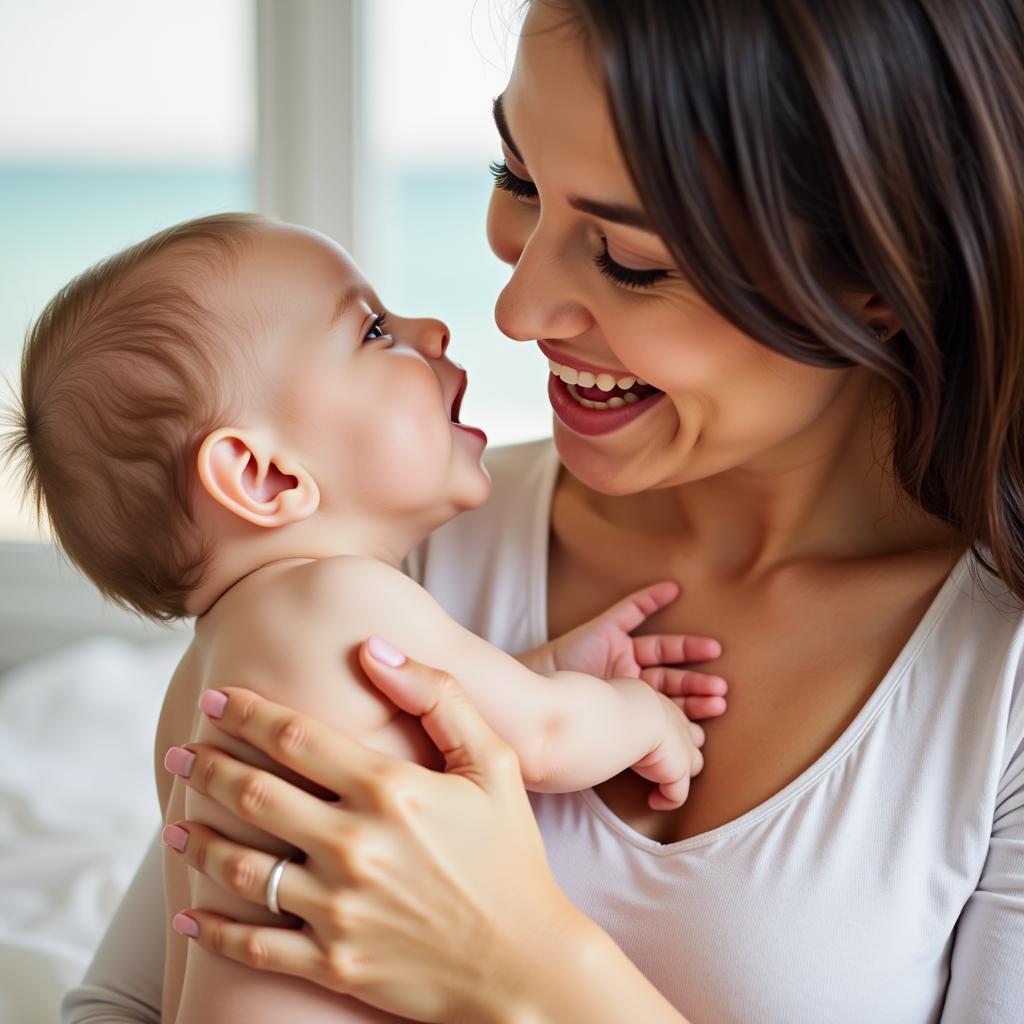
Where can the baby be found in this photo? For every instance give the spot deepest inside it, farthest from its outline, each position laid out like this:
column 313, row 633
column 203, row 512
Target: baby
column 222, row 423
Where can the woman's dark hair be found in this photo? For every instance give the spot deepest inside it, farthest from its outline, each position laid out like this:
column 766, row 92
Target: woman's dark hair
column 877, row 146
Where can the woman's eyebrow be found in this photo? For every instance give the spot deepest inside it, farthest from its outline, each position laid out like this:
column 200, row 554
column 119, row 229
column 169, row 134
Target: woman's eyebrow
column 498, row 110
column 614, row 212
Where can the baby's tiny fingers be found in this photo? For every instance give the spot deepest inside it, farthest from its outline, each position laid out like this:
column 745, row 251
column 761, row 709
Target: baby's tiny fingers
column 684, row 682
column 674, row 649
column 697, row 733
column 669, row 795
column 697, row 708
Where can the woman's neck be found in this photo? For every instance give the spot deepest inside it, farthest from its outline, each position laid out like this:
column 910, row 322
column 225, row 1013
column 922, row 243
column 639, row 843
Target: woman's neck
column 827, row 493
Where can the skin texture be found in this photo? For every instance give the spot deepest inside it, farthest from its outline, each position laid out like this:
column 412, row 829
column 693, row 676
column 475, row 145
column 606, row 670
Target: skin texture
column 341, row 459
column 759, row 483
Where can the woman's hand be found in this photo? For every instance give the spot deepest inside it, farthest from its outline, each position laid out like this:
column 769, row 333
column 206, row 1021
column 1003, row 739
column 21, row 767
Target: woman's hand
column 423, row 893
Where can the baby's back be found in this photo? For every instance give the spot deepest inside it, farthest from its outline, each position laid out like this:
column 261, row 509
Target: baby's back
column 281, row 632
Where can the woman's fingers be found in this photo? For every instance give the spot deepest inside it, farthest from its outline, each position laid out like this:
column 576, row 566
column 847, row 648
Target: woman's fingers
column 469, row 745
column 674, row 649
column 256, row 796
column 281, row 950
column 240, row 869
column 303, row 744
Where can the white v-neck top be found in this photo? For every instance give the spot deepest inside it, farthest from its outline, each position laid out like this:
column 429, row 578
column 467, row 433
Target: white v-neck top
column 838, row 899
column 885, row 884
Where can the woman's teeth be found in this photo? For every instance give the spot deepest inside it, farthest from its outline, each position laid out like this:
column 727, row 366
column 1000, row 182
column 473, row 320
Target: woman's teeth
column 575, row 379
column 613, row 403
column 604, row 381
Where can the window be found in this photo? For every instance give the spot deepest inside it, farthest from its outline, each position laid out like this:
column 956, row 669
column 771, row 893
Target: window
column 428, row 77
column 374, row 126
column 130, row 115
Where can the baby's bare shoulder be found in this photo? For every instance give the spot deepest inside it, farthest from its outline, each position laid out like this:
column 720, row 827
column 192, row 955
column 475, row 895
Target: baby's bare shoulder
column 294, row 638
column 355, row 587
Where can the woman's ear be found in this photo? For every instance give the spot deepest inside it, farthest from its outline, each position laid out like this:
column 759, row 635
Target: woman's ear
column 876, row 315
column 243, row 471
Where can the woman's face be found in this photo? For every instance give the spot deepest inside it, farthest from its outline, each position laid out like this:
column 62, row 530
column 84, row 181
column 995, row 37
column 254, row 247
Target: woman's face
column 600, row 293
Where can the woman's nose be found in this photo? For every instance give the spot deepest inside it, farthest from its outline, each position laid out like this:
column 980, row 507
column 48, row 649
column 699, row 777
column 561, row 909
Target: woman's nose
column 541, row 299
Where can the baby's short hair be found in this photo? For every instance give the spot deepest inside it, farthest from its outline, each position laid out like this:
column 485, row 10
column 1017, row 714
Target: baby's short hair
column 122, row 376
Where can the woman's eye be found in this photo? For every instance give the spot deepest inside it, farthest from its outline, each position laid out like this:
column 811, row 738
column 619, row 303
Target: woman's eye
column 628, row 276
column 512, row 183
column 377, row 329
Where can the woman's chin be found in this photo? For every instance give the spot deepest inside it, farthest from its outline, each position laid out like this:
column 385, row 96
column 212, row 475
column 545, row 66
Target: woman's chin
column 604, row 472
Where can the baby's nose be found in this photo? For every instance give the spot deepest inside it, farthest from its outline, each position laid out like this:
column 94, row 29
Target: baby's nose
column 432, row 337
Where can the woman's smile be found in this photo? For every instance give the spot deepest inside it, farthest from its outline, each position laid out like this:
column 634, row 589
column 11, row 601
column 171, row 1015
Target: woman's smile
column 591, row 399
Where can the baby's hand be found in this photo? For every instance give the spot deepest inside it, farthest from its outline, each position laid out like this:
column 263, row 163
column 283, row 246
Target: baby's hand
column 604, row 648
column 674, row 761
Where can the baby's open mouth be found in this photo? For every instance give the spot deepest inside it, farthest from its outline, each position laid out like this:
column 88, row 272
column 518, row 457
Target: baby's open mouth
column 601, row 391
column 457, row 400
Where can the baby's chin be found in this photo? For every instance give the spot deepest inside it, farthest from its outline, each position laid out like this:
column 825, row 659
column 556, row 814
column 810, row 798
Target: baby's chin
column 479, row 491
column 470, row 494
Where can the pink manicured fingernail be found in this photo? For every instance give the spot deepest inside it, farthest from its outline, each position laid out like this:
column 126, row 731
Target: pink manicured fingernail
column 175, row 837
column 213, row 703
column 384, row 652
column 185, row 925
column 180, row 761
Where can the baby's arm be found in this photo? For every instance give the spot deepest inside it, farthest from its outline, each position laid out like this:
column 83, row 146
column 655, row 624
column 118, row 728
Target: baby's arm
column 569, row 730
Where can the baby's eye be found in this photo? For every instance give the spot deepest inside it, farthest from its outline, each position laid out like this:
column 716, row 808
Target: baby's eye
column 377, row 329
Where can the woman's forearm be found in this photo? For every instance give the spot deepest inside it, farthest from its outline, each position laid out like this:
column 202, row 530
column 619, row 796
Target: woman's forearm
column 580, row 974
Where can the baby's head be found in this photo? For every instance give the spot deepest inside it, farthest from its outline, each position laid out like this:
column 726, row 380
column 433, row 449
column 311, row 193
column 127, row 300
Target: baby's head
column 229, row 380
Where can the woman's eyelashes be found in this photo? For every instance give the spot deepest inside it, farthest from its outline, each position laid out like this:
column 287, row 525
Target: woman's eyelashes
column 512, row 183
column 629, row 277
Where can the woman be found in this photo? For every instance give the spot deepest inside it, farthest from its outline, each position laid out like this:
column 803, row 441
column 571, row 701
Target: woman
column 804, row 225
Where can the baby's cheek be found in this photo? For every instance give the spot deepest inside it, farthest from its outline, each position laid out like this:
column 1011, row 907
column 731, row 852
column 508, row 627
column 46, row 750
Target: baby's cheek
column 403, row 452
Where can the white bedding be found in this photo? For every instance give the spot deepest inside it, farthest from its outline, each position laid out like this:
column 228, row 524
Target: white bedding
column 78, row 806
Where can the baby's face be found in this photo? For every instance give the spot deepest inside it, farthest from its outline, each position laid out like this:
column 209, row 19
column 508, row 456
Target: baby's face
column 365, row 399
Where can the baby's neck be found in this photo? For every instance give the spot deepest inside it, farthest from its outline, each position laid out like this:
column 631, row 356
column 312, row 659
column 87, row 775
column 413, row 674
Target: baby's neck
column 240, row 552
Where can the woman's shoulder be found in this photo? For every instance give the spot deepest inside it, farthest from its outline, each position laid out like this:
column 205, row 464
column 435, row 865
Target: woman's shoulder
column 977, row 645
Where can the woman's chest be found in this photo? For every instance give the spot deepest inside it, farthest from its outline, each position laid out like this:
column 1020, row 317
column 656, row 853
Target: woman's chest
column 800, row 917
column 802, row 652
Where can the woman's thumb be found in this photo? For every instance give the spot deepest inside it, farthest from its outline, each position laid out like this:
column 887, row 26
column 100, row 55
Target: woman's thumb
column 469, row 745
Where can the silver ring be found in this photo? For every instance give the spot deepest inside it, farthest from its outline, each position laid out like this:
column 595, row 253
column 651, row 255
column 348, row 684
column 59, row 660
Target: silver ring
column 273, row 883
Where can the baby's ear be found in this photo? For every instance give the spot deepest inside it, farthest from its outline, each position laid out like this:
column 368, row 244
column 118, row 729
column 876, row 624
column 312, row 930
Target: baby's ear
column 244, row 471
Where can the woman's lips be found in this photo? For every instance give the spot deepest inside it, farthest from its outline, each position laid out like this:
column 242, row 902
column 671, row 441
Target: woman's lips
column 578, row 417
column 581, row 420
column 579, row 364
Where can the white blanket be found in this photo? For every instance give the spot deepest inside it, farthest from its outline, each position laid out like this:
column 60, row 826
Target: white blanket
column 78, row 807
